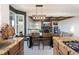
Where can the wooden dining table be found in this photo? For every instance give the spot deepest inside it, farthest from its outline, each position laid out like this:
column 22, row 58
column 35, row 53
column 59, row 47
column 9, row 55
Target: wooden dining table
column 40, row 38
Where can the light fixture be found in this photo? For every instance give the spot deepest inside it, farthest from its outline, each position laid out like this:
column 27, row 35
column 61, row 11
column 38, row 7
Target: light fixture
column 72, row 29
column 40, row 16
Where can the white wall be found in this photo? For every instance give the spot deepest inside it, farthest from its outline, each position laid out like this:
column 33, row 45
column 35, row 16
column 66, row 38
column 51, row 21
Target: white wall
column 70, row 25
column 0, row 17
column 33, row 25
column 38, row 25
column 4, row 14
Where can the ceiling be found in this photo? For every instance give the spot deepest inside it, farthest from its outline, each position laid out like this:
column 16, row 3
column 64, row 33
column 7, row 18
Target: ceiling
column 50, row 9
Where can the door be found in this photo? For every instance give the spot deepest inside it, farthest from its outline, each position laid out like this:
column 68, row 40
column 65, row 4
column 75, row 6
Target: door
column 20, row 24
column 12, row 16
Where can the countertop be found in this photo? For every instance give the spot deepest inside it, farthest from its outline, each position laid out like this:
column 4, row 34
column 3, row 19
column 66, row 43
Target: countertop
column 13, row 41
column 60, row 41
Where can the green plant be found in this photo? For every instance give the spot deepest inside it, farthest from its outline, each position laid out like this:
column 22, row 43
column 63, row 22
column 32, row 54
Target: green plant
column 40, row 30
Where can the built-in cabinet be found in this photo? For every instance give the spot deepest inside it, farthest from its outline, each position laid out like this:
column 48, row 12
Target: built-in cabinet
column 50, row 26
column 59, row 48
column 55, row 47
column 46, row 26
column 14, row 50
column 17, row 49
column 6, row 53
column 55, row 29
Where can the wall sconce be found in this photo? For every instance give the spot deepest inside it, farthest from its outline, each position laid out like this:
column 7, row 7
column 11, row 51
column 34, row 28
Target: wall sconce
column 72, row 29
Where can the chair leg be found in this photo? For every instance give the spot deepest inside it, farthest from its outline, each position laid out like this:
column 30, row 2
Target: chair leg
column 39, row 45
column 49, row 47
column 32, row 47
column 43, row 45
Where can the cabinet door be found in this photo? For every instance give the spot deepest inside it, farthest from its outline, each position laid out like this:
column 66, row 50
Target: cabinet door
column 55, row 48
column 63, row 49
column 22, row 45
column 6, row 53
column 14, row 50
column 21, row 50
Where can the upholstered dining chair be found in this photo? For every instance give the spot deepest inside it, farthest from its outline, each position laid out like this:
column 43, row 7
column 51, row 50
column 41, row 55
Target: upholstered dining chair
column 35, row 40
column 46, row 39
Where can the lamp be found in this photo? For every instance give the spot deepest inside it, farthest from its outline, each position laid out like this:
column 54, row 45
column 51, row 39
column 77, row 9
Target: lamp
column 39, row 17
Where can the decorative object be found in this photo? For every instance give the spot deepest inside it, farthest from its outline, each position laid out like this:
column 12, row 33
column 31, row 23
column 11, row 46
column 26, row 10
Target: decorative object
column 7, row 31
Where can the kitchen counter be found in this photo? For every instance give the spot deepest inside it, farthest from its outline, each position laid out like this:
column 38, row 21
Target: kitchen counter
column 13, row 42
column 61, row 48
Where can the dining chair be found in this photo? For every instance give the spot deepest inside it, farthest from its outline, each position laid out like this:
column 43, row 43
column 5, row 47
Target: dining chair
column 46, row 39
column 35, row 40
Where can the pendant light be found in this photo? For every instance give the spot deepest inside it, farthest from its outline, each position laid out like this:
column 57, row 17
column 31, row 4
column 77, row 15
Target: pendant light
column 39, row 16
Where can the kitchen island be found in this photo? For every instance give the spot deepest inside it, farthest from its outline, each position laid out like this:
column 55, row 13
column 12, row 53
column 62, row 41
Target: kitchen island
column 60, row 48
column 13, row 46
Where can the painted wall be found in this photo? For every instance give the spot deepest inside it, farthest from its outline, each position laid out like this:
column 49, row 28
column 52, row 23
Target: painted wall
column 33, row 25
column 0, row 17
column 4, row 14
column 70, row 25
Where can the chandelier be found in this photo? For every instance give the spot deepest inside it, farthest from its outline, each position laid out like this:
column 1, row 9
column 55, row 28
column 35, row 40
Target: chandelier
column 39, row 16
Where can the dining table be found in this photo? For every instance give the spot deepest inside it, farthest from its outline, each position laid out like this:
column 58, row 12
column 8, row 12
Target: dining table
column 40, row 38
